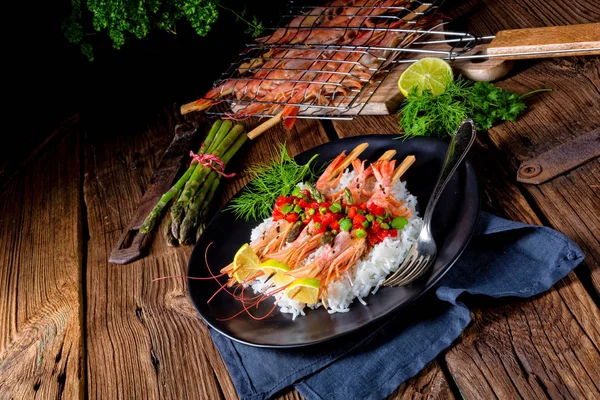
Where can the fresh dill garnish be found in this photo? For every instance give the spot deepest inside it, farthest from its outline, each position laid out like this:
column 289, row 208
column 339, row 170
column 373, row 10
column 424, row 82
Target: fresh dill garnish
column 270, row 180
column 424, row 114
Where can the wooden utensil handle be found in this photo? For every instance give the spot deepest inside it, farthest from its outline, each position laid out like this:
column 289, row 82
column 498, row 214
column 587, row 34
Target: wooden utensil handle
column 558, row 41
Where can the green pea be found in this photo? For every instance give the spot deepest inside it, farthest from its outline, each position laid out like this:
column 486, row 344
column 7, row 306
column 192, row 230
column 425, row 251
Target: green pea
column 286, row 208
column 311, row 212
column 323, row 210
column 399, row 222
column 370, row 218
column 345, row 224
column 365, row 224
column 317, row 225
column 335, row 208
column 334, row 231
column 385, row 226
column 360, row 233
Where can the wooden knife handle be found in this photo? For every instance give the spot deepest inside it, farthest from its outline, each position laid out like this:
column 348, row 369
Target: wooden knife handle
column 558, row 41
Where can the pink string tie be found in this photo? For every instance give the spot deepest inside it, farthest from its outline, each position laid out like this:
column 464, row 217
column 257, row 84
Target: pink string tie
column 213, row 162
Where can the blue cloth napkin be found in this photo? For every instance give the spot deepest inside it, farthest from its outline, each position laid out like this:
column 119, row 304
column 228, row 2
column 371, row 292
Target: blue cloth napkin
column 503, row 259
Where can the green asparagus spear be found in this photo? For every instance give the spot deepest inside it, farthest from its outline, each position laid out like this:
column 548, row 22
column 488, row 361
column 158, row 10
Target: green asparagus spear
column 205, row 210
column 211, row 135
column 192, row 217
column 200, row 205
column 222, row 132
column 198, row 177
column 172, row 193
column 171, row 241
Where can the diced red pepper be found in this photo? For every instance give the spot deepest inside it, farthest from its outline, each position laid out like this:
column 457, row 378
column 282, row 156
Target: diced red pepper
column 327, row 219
column 363, row 206
column 382, row 234
column 359, row 219
column 314, row 205
column 335, row 225
column 375, row 226
column 393, row 233
column 302, row 203
column 373, row 239
column 352, row 212
column 375, row 209
column 277, row 215
column 281, row 200
column 291, row 217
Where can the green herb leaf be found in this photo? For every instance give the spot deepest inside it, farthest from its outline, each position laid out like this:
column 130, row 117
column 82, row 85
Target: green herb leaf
column 269, row 181
column 428, row 115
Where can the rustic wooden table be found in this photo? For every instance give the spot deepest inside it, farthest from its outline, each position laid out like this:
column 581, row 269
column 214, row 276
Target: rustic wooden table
column 73, row 325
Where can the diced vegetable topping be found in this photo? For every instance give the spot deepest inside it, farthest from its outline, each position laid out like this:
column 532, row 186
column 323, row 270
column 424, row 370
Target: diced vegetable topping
column 363, row 220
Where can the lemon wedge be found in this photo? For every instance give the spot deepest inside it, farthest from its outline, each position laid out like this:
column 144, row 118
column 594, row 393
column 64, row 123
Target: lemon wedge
column 426, row 74
column 278, row 272
column 304, row 290
column 245, row 263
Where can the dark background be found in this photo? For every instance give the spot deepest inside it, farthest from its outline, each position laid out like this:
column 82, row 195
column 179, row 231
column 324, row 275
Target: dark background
column 46, row 79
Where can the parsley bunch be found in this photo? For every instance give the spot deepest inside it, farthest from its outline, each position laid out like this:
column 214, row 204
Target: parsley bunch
column 424, row 114
column 120, row 19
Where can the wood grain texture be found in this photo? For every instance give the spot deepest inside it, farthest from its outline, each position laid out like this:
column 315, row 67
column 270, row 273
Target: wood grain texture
column 146, row 337
column 530, row 348
column 571, row 202
column 143, row 337
column 545, row 346
column 561, row 41
column 41, row 248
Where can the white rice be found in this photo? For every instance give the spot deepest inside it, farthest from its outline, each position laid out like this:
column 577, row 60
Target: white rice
column 366, row 276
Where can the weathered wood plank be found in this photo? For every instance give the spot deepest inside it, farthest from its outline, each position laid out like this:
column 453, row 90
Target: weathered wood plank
column 146, row 337
column 546, row 345
column 430, row 383
column 41, row 247
column 571, row 202
column 142, row 337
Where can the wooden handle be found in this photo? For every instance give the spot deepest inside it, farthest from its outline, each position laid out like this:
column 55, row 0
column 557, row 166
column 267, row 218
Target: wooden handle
column 388, row 155
column 408, row 161
column 348, row 160
column 268, row 124
column 557, row 41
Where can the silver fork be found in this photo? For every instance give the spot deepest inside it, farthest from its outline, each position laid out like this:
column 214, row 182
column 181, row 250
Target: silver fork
column 423, row 253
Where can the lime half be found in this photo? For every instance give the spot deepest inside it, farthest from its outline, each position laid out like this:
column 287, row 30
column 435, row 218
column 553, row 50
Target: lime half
column 426, row 74
column 304, row 290
column 245, row 263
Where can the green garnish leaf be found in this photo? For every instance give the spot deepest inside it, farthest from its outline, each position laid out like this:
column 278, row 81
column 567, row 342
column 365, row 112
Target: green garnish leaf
column 269, row 181
column 425, row 114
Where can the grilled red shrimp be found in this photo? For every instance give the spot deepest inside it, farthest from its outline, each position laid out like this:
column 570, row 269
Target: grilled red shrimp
column 285, row 78
column 382, row 196
column 326, row 182
column 294, row 253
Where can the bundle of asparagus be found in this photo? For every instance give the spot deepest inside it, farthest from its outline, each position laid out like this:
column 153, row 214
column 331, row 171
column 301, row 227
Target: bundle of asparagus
column 193, row 192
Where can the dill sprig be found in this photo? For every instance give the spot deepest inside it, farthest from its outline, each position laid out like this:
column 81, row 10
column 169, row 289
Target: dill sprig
column 269, row 181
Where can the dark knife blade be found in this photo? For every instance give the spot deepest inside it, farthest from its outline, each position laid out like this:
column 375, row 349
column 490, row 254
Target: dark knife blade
column 131, row 243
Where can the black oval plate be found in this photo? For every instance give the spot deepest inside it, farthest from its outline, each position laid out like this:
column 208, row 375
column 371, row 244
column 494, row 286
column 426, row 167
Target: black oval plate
column 453, row 224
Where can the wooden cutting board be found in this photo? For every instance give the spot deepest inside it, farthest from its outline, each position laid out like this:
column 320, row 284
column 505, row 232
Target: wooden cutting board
column 387, row 98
